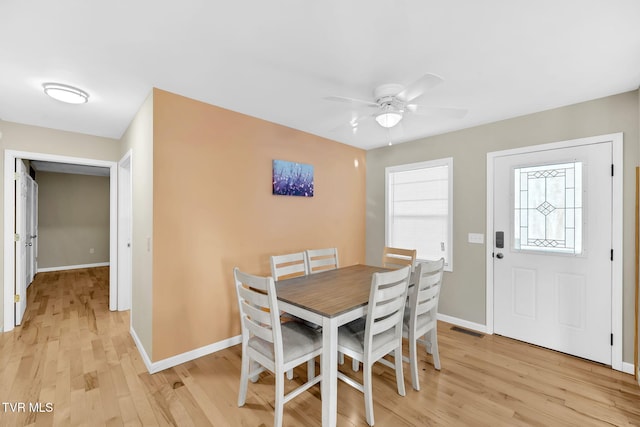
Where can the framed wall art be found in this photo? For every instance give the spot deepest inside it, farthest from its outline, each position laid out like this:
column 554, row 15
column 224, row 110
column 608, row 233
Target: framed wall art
column 292, row 179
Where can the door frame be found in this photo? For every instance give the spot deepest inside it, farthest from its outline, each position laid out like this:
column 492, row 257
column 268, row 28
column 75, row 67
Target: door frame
column 125, row 202
column 617, row 233
column 9, row 217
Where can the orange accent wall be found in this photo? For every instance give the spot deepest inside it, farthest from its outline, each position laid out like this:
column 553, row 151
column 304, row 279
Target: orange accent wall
column 213, row 210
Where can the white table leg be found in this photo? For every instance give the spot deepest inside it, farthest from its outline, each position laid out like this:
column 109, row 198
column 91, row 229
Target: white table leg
column 329, row 385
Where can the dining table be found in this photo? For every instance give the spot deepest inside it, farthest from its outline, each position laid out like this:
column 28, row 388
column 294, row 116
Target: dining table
column 330, row 299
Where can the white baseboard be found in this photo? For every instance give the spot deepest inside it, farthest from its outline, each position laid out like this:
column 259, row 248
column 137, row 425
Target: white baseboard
column 172, row 361
column 141, row 350
column 73, row 267
column 463, row 323
column 627, row 368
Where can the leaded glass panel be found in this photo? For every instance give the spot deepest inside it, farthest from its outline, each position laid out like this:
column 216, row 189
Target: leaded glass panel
column 548, row 208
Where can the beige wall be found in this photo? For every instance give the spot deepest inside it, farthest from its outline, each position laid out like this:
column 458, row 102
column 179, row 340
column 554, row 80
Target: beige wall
column 73, row 218
column 463, row 294
column 21, row 137
column 213, row 210
column 139, row 139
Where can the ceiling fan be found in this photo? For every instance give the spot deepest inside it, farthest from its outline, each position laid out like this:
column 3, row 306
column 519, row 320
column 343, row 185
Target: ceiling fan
column 392, row 101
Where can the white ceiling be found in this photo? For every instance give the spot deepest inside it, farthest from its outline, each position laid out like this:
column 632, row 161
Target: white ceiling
column 278, row 59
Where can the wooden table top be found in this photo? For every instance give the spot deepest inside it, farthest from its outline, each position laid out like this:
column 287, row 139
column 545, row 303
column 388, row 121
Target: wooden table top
column 332, row 292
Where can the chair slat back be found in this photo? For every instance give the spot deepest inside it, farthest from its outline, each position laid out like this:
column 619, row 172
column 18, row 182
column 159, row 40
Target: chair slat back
column 288, row 266
column 425, row 296
column 258, row 308
column 319, row 260
column 398, row 257
column 386, row 304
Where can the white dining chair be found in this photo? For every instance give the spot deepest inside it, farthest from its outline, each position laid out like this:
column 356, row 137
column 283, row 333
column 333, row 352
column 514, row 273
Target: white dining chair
column 421, row 317
column 398, row 257
column 288, row 266
column 369, row 340
column 393, row 258
column 274, row 346
column 319, row 260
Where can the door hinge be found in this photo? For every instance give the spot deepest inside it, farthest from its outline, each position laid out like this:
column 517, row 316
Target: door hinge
column 611, row 339
column 612, row 169
column 16, row 176
column 611, row 254
column 16, row 298
column 16, row 237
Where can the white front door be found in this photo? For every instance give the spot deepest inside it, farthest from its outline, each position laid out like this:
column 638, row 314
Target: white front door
column 553, row 248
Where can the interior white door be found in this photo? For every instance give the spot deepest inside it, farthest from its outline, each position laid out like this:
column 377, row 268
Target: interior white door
column 33, row 235
column 21, row 242
column 552, row 254
column 30, row 230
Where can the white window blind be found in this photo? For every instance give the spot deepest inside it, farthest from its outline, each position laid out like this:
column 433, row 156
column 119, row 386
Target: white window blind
column 419, row 208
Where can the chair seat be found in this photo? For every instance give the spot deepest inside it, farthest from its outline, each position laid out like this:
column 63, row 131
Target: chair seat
column 288, row 317
column 423, row 322
column 297, row 340
column 351, row 336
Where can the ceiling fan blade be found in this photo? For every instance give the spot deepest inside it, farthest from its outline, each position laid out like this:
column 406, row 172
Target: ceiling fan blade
column 351, row 100
column 423, row 110
column 418, row 87
column 352, row 124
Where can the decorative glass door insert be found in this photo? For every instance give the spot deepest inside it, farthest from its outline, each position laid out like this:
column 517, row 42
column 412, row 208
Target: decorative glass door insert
column 548, row 208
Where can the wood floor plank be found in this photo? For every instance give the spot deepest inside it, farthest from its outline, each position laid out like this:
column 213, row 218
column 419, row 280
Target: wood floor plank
column 73, row 353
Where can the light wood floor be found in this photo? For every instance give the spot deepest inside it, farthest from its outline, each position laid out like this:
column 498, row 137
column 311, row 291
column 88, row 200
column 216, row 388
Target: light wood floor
column 73, row 354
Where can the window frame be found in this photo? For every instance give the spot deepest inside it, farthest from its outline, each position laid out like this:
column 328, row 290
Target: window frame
column 448, row 162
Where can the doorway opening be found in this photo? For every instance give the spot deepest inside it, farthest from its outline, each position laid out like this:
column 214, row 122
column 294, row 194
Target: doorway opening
column 9, row 305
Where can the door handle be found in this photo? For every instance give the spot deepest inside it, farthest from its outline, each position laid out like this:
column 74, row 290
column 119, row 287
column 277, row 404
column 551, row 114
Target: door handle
column 499, row 255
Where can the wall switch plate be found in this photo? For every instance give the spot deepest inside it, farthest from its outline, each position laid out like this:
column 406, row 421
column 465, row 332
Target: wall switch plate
column 476, row 238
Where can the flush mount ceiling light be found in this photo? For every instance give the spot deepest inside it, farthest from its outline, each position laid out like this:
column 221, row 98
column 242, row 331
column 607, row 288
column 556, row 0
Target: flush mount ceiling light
column 66, row 93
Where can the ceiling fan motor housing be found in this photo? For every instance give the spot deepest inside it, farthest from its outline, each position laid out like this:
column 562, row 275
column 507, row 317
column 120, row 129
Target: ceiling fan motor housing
column 386, row 97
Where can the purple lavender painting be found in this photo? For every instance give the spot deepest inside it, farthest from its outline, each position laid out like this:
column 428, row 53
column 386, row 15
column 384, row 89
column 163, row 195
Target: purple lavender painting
column 292, row 179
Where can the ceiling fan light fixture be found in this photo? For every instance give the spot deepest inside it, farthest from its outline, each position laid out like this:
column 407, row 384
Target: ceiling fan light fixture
column 66, row 93
column 388, row 119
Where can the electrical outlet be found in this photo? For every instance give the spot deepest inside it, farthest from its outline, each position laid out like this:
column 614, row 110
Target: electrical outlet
column 91, row 250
